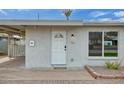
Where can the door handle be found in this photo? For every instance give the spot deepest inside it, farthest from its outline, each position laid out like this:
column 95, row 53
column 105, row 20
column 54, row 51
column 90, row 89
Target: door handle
column 65, row 48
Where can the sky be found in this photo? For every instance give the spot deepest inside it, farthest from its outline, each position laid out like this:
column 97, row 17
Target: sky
column 87, row 15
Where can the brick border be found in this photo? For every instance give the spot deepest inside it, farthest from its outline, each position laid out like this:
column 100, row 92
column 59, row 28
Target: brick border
column 96, row 75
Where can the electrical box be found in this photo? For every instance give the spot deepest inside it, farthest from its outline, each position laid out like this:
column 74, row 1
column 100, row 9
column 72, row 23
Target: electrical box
column 31, row 43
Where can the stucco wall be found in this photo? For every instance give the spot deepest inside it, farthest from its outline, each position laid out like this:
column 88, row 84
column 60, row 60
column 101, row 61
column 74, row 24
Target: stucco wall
column 39, row 55
column 77, row 53
column 79, row 50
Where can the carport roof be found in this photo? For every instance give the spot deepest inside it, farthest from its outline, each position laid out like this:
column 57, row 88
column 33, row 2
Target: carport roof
column 41, row 22
column 58, row 23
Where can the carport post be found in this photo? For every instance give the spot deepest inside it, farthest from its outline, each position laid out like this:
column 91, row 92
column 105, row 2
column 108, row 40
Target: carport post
column 9, row 45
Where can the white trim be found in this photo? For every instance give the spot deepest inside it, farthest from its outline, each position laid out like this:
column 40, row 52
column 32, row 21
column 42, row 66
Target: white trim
column 59, row 22
column 103, row 58
column 118, row 43
column 103, row 44
column 41, row 22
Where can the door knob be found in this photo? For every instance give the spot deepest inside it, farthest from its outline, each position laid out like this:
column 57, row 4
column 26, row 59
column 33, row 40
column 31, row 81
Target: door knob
column 65, row 48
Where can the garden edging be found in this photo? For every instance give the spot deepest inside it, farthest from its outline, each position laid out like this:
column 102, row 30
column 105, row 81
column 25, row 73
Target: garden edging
column 96, row 75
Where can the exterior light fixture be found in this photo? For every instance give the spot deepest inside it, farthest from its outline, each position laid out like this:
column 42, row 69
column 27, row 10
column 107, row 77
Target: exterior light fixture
column 72, row 38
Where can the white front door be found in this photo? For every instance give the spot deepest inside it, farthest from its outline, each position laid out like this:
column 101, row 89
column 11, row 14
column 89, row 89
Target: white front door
column 58, row 47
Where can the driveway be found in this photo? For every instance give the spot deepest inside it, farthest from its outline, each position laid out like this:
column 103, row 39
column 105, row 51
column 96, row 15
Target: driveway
column 13, row 72
column 13, row 63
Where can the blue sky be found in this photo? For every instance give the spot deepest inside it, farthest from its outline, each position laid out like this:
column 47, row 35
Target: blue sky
column 57, row 14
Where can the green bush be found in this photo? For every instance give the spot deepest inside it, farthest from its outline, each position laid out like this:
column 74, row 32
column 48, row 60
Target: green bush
column 112, row 65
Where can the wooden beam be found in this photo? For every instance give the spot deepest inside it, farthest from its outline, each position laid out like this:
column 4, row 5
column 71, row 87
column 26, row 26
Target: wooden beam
column 9, row 27
column 10, row 30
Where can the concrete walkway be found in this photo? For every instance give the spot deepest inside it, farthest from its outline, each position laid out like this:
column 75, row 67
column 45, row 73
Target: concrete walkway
column 13, row 72
column 12, row 63
column 25, row 74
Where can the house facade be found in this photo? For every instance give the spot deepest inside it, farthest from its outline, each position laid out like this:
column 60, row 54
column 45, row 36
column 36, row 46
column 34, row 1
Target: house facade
column 70, row 44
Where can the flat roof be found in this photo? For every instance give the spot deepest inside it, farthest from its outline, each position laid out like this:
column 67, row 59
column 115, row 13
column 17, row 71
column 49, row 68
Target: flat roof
column 58, row 23
column 41, row 22
column 104, row 24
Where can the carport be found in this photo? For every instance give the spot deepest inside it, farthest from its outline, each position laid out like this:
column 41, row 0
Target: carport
column 12, row 40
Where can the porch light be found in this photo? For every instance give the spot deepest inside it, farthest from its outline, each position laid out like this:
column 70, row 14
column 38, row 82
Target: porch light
column 72, row 38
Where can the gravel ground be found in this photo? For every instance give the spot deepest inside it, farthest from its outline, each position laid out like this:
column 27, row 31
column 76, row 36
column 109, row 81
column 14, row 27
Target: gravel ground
column 105, row 71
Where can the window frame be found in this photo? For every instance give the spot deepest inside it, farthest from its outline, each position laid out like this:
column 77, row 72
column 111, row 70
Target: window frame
column 103, row 57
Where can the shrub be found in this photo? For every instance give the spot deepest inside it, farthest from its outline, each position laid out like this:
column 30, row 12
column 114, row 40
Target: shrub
column 112, row 65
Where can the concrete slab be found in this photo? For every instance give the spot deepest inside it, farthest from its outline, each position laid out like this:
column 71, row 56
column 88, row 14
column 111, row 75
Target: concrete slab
column 25, row 74
column 7, row 62
column 12, row 72
column 4, row 59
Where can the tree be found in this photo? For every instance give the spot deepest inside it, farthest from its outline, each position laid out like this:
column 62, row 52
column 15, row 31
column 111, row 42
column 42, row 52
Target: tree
column 67, row 13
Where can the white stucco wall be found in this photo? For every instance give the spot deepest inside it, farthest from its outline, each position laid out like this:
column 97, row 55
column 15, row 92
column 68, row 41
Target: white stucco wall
column 77, row 53
column 80, row 49
column 39, row 55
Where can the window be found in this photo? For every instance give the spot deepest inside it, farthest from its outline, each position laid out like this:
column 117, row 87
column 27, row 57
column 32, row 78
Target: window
column 103, row 44
column 110, row 44
column 95, row 44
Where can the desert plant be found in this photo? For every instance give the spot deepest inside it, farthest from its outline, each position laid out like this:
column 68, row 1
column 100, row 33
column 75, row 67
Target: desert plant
column 112, row 65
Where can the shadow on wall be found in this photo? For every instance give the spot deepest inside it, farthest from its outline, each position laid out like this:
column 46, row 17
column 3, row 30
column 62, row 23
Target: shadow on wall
column 3, row 46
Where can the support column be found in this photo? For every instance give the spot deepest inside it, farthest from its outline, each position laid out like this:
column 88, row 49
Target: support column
column 9, row 45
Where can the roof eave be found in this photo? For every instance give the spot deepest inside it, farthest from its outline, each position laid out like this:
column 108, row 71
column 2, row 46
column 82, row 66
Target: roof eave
column 39, row 22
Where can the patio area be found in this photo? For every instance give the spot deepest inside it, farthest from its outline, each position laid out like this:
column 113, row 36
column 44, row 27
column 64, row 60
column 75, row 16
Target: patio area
column 13, row 72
